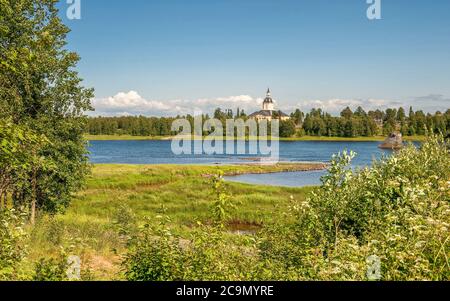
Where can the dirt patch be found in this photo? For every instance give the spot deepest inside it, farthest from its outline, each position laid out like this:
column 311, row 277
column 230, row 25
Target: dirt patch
column 105, row 267
column 243, row 227
column 276, row 169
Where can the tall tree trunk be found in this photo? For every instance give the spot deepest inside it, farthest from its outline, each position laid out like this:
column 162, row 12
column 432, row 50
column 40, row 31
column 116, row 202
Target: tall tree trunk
column 4, row 182
column 2, row 202
column 33, row 197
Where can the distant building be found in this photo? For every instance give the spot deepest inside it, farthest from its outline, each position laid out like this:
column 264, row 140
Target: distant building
column 268, row 112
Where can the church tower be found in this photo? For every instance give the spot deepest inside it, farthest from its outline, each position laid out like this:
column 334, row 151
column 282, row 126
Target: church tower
column 268, row 102
column 268, row 110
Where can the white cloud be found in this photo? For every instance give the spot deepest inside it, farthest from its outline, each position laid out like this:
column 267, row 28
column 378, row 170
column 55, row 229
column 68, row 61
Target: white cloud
column 431, row 102
column 336, row 105
column 131, row 103
column 329, row 105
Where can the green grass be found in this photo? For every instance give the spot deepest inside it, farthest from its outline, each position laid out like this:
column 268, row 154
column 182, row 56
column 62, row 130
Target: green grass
column 122, row 137
column 353, row 139
column 181, row 192
column 304, row 138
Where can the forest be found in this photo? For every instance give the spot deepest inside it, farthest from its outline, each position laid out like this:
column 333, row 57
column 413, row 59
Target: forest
column 314, row 123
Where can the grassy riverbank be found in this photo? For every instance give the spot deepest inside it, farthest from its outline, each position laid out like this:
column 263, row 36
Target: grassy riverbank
column 182, row 193
column 122, row 138
column 304, row 138
column 175, row 202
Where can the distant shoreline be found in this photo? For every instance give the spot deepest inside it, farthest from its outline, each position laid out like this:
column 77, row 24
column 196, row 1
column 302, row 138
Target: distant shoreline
column 305, row 138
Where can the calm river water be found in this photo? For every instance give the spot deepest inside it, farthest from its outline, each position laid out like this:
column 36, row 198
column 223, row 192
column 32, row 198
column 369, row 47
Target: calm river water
column 159, row 152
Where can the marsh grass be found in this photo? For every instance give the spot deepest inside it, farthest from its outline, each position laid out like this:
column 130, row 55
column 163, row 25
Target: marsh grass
column 96, row 223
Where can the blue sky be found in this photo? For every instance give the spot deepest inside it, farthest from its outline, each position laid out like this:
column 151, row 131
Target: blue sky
column 164, row 57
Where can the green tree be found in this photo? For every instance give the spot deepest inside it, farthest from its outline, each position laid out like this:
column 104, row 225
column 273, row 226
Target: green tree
column 287, row 129
column 347, row 113
column 40, row 89
column 401, row 115
column 298, row 116
column 360, row 112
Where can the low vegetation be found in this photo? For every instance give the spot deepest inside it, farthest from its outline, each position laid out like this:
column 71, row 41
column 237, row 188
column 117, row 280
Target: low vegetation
column 119, row 199
column 185, row 223
column 397, row 210
column 396, row 213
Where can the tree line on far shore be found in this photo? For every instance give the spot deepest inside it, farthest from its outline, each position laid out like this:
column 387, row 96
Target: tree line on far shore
column 317, row 122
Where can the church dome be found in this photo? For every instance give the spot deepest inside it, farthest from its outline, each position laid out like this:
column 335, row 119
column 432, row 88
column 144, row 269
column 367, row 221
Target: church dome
column 268, row 98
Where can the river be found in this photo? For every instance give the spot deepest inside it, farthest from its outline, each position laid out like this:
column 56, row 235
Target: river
column 159, row 152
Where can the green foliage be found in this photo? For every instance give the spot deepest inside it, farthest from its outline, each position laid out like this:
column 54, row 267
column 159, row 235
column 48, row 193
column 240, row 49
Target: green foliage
column 12, row 243
column 53, row 269
column 125, row 221
column 397, row 210
column 40, row 91
column 48, row 232
column 160, row 255
column 315, row 123
column 136, row 126
column 372, row 123
column 222, row 204
column 157, row 254
column 154, row 255
column 287, row 129
column 18, row 156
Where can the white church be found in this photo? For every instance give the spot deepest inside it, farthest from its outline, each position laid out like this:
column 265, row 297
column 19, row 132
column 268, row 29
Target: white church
column 268, row 111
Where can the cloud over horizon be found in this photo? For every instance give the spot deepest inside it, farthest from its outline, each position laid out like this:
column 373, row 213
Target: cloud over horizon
column 132, row 103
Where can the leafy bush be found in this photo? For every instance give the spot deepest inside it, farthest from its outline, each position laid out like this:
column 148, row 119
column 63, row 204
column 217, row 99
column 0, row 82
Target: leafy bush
column 160, row 255
column 222, row 205
column 157, row 254
column 153, row 256
column 125, row 221
column 62, row 267
column 397, row 210
column 12, row 243
column 51, row 269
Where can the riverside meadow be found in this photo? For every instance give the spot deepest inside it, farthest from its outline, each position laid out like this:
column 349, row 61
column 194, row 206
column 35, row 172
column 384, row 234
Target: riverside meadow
column 190, row 145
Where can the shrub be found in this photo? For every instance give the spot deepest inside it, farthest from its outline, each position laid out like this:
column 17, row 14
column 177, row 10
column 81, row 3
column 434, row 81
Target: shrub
column 157, row 254
column 51, row 269
column 12, row 243
column 153, row 255
column 61, row 268
column 125, row 221
column 398, row 210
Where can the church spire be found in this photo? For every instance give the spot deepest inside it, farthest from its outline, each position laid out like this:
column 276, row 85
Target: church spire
column 268, row 101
